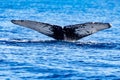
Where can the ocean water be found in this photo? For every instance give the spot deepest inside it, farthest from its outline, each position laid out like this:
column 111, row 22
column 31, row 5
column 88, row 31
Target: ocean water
column 28, row 55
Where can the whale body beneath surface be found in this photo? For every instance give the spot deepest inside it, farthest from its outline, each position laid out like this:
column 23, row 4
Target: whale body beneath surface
column 66, row 33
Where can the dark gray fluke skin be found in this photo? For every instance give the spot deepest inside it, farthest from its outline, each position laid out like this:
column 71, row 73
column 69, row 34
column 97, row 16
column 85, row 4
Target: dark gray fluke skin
column 67, row 33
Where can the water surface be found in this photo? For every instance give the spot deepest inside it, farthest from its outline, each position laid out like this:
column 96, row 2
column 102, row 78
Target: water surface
column 28, row 55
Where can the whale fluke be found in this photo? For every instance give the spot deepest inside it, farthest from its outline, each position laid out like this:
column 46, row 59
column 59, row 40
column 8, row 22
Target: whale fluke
column 79, row 31
column 44, row 28
column 68, row 33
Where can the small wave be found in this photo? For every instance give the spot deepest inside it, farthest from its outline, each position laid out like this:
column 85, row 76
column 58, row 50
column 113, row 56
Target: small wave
column 25, row 41
column 99, row 45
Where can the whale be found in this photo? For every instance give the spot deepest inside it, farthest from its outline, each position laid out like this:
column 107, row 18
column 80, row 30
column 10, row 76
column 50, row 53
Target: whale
column 65, row 33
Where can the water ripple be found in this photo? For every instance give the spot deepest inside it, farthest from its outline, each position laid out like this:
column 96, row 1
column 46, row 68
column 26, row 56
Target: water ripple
column 96, row 45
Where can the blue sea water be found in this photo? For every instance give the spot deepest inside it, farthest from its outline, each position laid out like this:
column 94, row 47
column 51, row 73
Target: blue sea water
column 28, row 55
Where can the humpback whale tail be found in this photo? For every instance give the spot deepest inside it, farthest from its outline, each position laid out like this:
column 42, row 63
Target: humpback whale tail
column 68, row 33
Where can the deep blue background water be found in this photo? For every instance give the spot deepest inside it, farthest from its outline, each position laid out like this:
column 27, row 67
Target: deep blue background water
column 28, row 55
